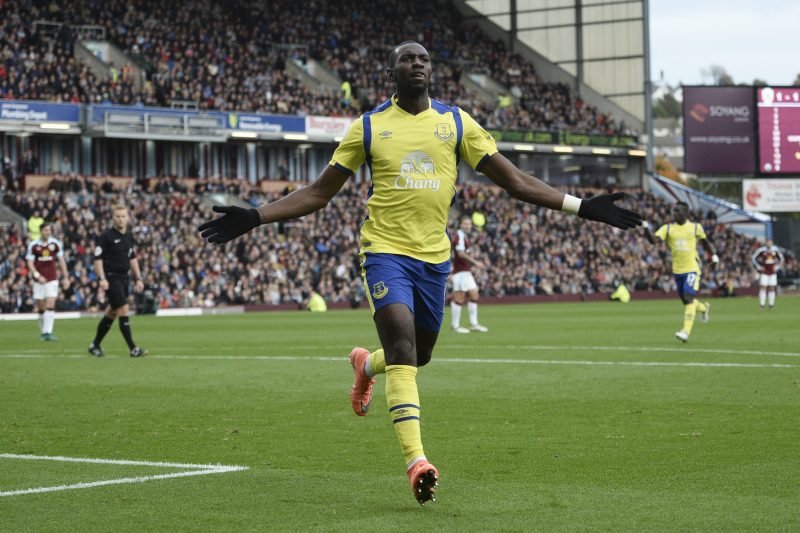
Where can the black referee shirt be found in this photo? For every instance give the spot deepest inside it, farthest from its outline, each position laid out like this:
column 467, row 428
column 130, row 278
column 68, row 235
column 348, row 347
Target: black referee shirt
column 116, row 251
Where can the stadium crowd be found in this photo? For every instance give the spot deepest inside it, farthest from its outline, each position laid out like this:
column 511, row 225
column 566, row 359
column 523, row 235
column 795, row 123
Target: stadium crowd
column 233, row 56
column 531, row 250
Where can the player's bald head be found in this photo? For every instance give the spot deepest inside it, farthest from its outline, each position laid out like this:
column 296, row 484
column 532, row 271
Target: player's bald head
column 396, row 51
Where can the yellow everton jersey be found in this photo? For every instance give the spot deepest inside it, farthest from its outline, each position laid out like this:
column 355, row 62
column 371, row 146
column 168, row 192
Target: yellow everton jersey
column 682, row 242
column 413, row 160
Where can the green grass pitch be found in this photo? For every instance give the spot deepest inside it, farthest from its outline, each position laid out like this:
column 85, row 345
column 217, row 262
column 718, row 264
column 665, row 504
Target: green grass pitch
column 587, row 416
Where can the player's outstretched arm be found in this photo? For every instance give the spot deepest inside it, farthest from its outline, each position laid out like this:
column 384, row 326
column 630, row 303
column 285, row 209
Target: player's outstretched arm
column 647, row 233
column 709, row 249
column 529, row 189
column 236, row 221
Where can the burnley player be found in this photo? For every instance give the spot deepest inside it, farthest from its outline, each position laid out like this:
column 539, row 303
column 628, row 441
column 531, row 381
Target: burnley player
column 464, row 286
column 114, row 256
column 767, row 260
column 682, row 237
column 412, row 146
column 42, row 256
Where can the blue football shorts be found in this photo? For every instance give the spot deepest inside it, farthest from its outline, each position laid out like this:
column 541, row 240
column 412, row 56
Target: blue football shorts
column 687, row 283
column 421, row 286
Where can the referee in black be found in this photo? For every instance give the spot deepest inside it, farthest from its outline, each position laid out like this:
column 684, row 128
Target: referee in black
column 113, row 258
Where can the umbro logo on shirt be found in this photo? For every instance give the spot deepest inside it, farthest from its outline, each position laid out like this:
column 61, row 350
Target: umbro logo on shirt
column 385, row 134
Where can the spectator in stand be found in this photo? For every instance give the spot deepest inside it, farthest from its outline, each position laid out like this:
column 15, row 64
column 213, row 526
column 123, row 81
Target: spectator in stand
column 234, row 56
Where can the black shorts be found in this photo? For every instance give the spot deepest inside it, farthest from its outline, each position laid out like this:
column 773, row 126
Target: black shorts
column 118, row 290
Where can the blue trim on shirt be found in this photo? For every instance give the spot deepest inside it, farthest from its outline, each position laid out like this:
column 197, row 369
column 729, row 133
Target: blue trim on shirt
column 367, row 127
column 440, row 107
column 344, row 169
column 482, row 161
column 459, row 133
column 367, row 123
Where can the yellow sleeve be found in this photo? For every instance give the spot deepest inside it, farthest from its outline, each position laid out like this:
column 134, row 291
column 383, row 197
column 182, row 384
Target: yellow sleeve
column 476, row 144
column 661, row 233
column 349, row 155
column 699, row 232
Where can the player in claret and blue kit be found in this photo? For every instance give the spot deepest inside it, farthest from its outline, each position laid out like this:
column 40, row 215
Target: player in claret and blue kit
column 767, row 260
column 45, row 257
column 412, row 146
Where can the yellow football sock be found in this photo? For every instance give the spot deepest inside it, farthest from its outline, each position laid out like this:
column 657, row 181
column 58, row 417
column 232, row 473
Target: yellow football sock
column 377, row 363
column 403, row 400
column 688, row 317
column 700, row 307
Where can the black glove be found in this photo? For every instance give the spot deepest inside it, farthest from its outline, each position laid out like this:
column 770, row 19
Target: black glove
column 603, row 209
column 234, row 221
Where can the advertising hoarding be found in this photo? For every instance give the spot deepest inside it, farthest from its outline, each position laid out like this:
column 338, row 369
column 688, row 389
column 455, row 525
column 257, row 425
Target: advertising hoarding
column 19, row 111
column 718, row 130
column 771, row 195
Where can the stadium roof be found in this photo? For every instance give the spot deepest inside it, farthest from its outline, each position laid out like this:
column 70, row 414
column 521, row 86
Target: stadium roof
column 597, row 46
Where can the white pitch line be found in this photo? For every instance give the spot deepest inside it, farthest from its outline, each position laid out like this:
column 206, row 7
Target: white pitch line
column 621, row 348
column 493, row 361
column 42, row 356
column 463, row 360
column 36, row 354
column 199, row 470
column 112, row 461
column 618, row 363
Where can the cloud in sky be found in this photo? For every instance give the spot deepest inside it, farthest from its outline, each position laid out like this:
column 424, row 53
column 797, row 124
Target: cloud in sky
column 749, row 38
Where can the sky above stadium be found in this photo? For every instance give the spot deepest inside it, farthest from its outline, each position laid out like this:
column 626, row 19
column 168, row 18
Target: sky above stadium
column 749, row 38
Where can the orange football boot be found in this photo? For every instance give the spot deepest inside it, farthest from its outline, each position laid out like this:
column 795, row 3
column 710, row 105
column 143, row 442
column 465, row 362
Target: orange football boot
column 361, row 392
column 424, row 479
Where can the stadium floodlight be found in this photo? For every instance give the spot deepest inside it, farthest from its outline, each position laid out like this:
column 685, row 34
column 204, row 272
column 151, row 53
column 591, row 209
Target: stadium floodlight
column 295, row 137
column 563, row 149
column 523, row 147
column 601, row 151
column 244, row 134
column 54, row 126
column 637, row 153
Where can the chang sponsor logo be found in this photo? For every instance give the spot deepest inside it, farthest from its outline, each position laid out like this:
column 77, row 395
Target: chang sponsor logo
column 417, row 171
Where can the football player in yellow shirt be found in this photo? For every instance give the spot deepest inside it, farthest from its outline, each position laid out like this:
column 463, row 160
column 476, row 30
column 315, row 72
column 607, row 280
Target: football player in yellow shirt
column 682, row 237
column 412, row 146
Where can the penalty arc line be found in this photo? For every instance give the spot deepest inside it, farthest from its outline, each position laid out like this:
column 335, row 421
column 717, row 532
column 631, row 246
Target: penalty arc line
column 200, row 470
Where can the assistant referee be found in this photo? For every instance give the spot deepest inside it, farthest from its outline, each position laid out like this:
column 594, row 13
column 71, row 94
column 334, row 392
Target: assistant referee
column 114, row 256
